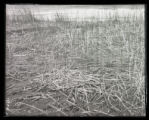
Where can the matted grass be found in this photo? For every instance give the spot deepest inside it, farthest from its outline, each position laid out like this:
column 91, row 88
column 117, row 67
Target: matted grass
column 69, row 68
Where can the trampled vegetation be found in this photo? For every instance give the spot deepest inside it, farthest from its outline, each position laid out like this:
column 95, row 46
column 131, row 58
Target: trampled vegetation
column 69, row 68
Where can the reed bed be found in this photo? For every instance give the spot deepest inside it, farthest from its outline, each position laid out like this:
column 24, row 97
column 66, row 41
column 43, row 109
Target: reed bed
column 74, row 68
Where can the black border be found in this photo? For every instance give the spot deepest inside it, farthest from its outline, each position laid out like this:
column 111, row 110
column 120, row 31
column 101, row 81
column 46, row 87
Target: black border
column 2, row 56
column 62, row 2
column 77, row 1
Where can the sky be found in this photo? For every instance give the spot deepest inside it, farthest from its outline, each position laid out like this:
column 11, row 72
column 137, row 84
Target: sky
column 74, row 6
column 77, row 11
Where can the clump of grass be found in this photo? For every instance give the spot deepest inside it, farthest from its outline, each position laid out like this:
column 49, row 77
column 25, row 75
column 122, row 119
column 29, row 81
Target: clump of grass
column 23, row 16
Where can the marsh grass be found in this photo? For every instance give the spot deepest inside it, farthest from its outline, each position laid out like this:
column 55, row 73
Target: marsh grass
column 74, row 68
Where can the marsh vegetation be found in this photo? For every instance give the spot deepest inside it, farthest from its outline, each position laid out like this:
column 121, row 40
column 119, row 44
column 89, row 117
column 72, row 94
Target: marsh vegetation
column 64, row 67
